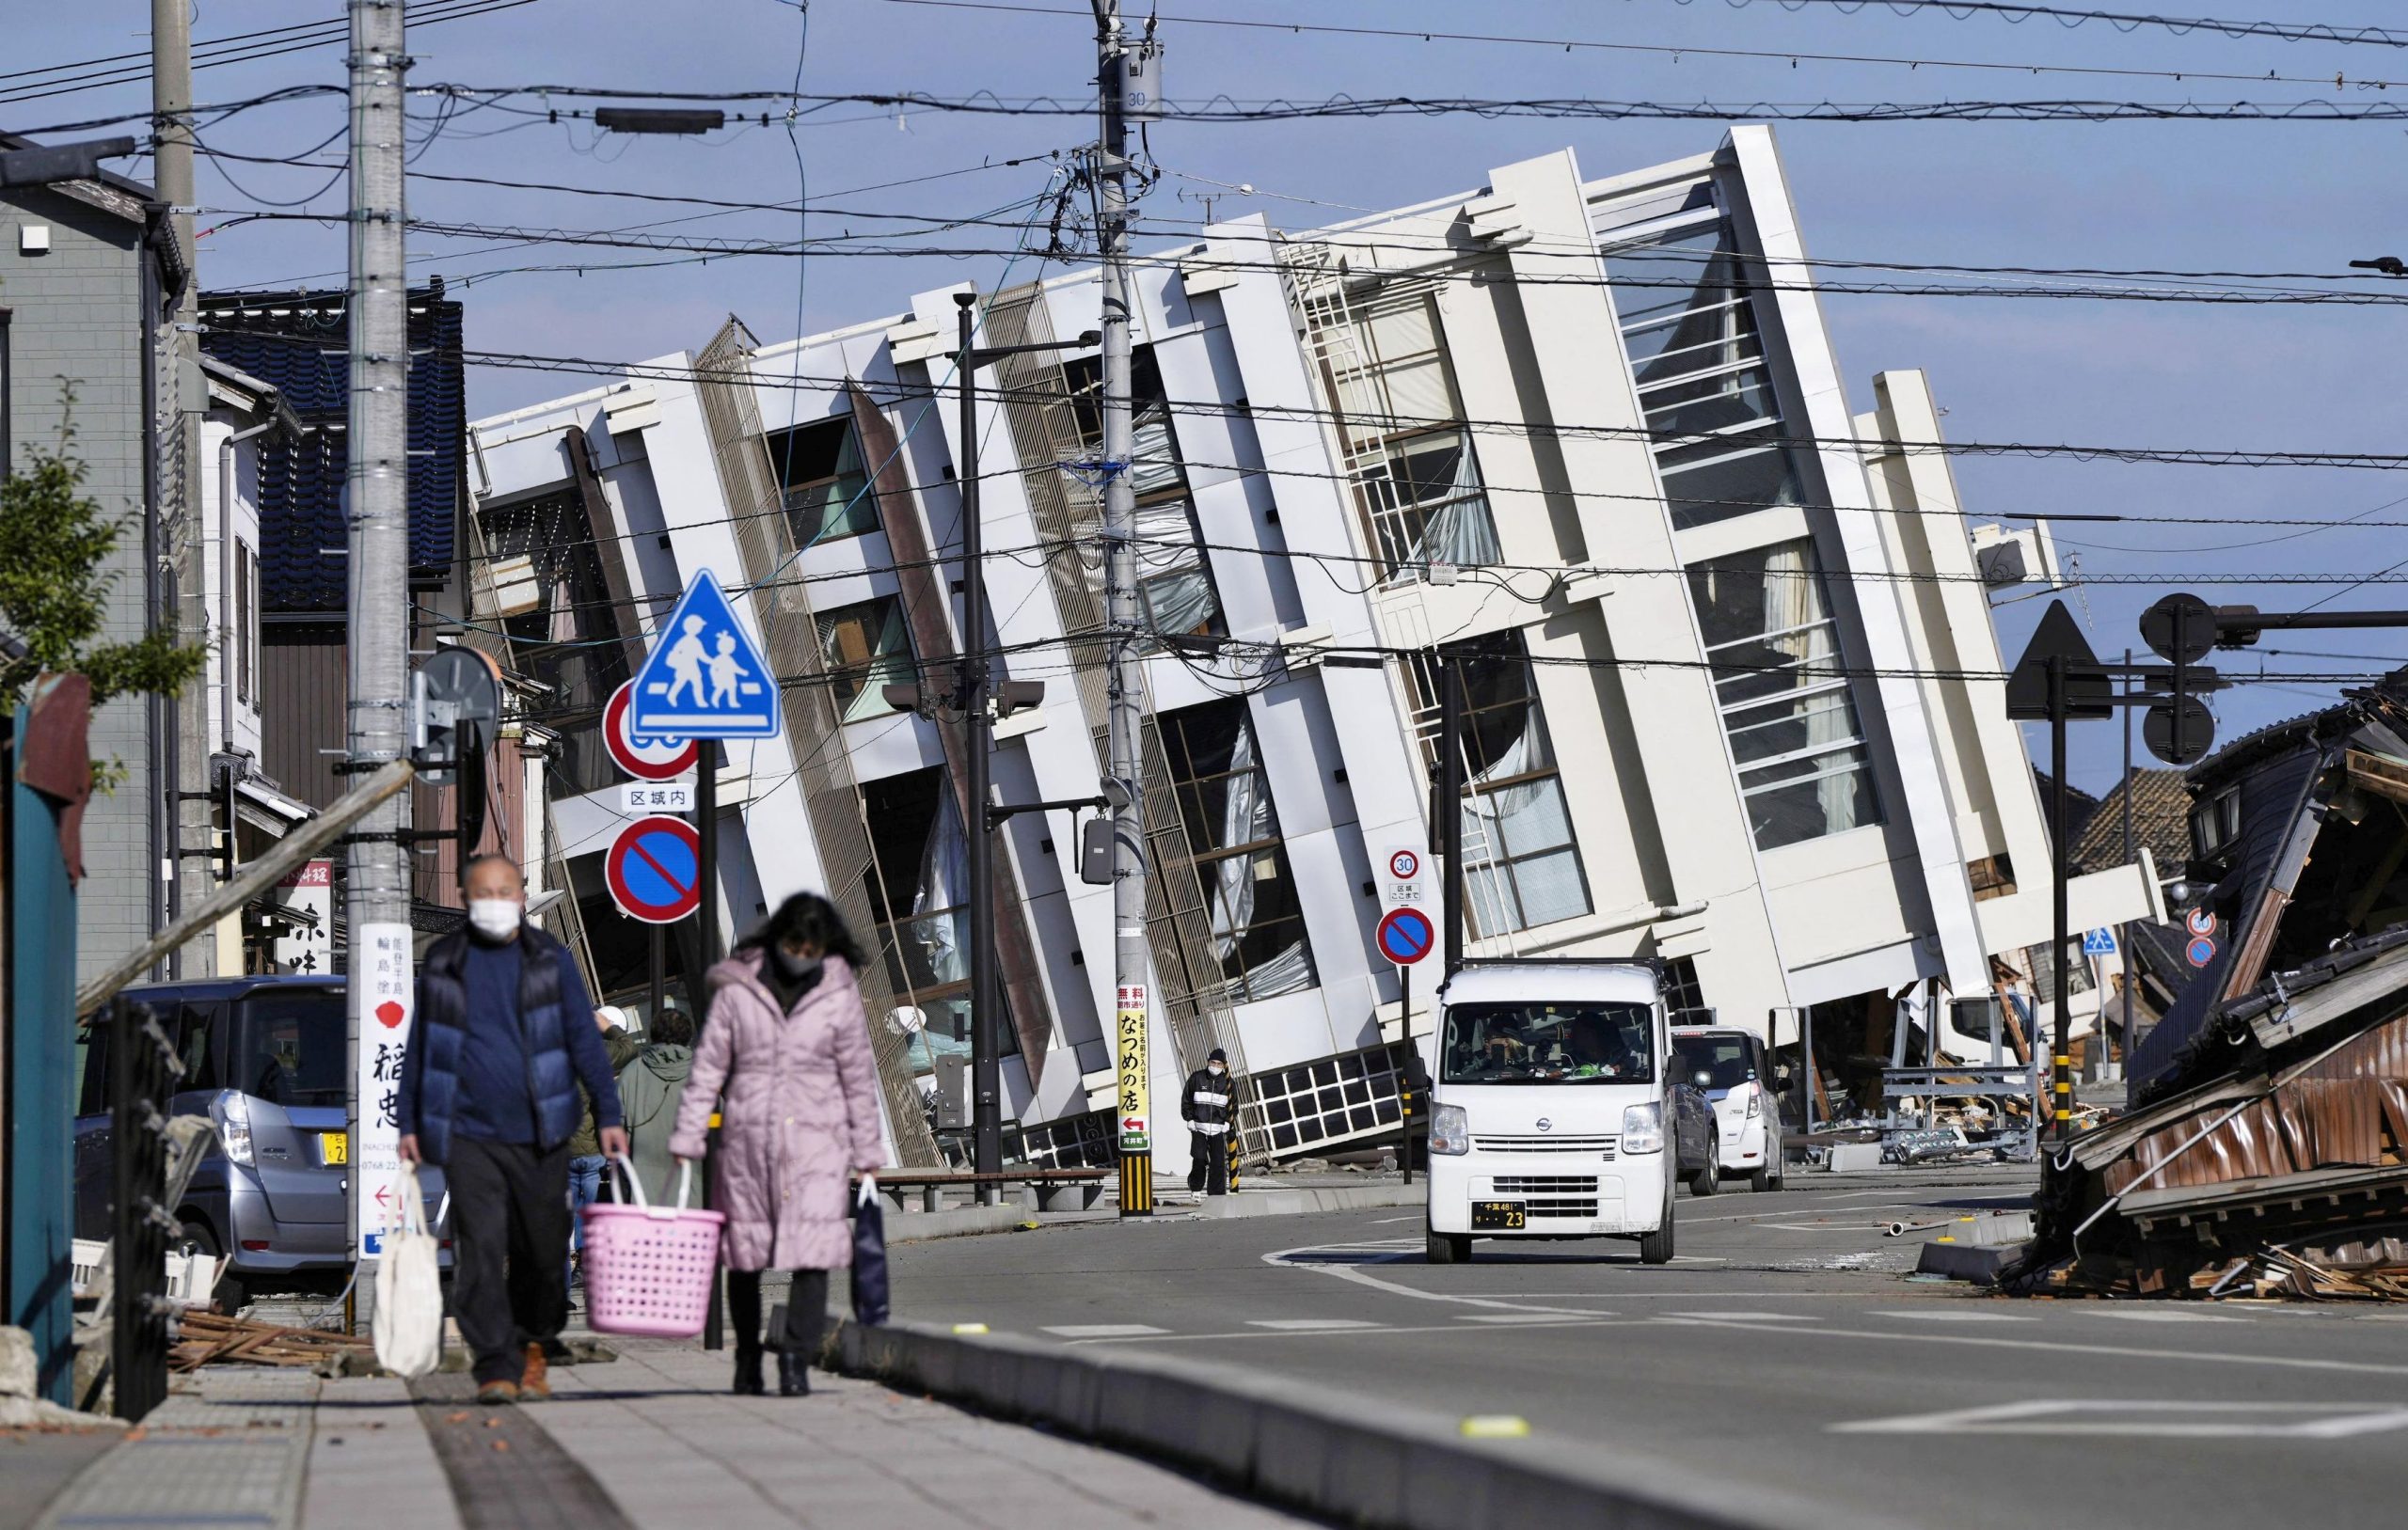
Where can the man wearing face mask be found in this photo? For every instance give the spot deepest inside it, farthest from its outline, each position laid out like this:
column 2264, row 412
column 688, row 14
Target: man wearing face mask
column 1209, row 1105
column 489, row 1092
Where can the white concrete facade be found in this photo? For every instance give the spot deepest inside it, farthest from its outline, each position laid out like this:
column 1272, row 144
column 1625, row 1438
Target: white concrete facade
column 1796, row 827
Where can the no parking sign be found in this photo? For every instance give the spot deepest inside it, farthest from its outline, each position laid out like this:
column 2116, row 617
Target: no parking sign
column 655, row 870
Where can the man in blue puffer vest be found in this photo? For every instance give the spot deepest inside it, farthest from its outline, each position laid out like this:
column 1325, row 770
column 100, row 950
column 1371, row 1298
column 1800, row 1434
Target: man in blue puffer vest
column 505, row 1032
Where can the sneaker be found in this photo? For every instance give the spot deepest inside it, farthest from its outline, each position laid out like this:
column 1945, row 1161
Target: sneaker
column 535, row 1386
column 496, row 1393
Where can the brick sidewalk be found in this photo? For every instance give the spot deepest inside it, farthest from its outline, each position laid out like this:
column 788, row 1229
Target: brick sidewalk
column 653, row 1439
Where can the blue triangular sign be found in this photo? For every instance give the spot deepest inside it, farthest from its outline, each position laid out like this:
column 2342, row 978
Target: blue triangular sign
column 703, row 678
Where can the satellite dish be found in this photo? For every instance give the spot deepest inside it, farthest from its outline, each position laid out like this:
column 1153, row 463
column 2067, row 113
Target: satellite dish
column 906, row 1020
column 455, row 711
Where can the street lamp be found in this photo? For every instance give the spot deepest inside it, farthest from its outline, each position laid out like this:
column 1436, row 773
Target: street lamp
column 970, row 698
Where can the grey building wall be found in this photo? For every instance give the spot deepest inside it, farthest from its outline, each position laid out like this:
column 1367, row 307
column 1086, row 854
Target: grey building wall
column 76, row 319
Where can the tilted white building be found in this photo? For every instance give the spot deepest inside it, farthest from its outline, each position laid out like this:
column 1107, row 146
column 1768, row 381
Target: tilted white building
column 1588, row 434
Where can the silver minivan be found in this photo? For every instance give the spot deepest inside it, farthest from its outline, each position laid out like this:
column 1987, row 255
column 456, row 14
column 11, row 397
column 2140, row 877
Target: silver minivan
column 265, row 1059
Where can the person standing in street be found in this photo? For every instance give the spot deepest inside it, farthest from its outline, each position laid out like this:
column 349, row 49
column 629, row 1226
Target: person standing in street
column 787, row 1038
column 585, row 1160
column 490, row 1094
column 1208, row 1105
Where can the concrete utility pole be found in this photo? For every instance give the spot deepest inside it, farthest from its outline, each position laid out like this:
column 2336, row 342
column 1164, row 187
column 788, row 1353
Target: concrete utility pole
column 1123, row 616
column 376, row 902
column 180, row 583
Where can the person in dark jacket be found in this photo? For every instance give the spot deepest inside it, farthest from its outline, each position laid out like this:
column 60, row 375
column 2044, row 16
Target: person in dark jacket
column 1209, row 1105
column 489, row 1093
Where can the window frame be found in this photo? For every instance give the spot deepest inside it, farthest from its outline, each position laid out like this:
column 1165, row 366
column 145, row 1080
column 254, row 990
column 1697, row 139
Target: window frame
column 849, row 681
column 1190, row 791
column 861, row 505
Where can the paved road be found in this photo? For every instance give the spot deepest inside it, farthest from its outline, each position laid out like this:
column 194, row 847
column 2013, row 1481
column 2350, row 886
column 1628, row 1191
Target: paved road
column 1785, row 1347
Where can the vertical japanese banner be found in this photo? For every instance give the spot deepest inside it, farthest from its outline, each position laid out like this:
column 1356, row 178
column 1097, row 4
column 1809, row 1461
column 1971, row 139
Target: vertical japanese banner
column 387, row 998
column 1136, row 1090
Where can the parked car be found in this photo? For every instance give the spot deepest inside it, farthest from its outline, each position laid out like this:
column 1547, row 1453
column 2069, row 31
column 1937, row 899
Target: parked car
column 1729, row 1068
column 267, row 1060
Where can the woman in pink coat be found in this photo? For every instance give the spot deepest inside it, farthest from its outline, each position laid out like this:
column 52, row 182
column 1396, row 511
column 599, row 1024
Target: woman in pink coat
column 787, row 1039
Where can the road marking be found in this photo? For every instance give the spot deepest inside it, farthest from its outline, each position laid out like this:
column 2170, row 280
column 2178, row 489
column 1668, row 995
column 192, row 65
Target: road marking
column 2093, row 1417
column 1750, row 1317
column 1956, row 1317
column 2153, row 1314
column 1512, row 1316
column 1288, row 1258
column 1366, row 1332
column 2209, row 1357
column 1105, row 1330
column 1300, row 1325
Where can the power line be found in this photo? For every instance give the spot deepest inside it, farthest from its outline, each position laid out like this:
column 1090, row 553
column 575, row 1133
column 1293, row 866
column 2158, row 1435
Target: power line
column 2016, row 12
column 1674, row 51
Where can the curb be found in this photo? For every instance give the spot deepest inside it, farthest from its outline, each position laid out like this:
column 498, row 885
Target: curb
column 1354, row 1460
column 1304, row 1199
column 956, row 1222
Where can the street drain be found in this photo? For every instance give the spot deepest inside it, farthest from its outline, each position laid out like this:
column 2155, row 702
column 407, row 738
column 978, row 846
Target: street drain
column 506, row 1473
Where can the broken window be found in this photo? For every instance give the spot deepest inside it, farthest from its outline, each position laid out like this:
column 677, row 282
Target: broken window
column 920, row 897
column 866, row 650
column 1172, row 582
column 1233, row 829
column 1786, row 704
column 1416, row 478
column 1697, row 358
column 1521, row 868
column 546, row 588
column 827, row 491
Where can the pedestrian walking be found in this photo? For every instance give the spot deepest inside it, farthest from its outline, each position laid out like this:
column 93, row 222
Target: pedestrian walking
column 488, row 1093
column 649, row 1089
column 786, row 1037
column 1208, row 1106
column 585, row 1160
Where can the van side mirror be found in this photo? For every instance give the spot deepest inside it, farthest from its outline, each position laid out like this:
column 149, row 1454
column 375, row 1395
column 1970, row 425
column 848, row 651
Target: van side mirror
column 1781, row 1074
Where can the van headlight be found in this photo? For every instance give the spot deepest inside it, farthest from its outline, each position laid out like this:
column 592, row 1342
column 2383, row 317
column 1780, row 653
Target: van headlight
column 233, row 1114
column 1450, row 1130
column 1642, row 1129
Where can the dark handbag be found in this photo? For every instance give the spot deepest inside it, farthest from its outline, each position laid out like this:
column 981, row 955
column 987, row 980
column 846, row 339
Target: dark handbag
column 870, row 1292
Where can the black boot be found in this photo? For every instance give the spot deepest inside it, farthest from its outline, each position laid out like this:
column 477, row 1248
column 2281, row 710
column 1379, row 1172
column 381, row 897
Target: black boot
column 794, row 1375
column 748, row 1371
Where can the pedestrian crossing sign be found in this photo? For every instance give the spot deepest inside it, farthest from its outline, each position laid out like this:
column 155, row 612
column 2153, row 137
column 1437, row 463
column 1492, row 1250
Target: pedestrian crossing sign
column 2098, row 943
column 704, row 678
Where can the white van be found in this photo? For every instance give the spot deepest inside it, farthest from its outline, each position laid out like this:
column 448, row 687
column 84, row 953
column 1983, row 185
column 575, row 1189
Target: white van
column 1553, row 1112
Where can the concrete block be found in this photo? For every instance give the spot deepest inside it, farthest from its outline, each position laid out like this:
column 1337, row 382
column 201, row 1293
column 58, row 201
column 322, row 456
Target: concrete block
column 1854, row 1158
column 17, row 1369
column 1976, row 1262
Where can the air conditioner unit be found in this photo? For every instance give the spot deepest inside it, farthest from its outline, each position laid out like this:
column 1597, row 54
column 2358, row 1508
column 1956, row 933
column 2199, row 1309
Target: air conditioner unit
column 2009, row 559
column 516, row 591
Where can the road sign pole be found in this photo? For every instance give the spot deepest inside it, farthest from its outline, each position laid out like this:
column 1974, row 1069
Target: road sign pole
column 706, row 926
column 2061, row 1055
column 1404, row 1081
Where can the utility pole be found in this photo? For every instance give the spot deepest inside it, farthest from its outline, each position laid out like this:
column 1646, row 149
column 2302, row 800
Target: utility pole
column 1123, row 616
column 969, row 694
column 2124, row 952
column 179, row 580
column 377, row 898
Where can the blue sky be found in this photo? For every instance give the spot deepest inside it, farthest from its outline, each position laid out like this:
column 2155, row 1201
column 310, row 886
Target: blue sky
column 2288, row 196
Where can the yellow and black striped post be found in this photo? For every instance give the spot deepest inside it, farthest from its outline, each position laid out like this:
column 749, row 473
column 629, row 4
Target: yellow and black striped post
column 1232, row 1141
column 1137, row 1184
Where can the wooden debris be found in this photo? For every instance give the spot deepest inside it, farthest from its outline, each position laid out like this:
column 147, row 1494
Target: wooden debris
column 207, row 1338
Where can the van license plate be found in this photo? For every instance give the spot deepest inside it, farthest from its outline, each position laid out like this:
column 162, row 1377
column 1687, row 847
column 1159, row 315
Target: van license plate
column 1496, row 1216
column 334, row 1147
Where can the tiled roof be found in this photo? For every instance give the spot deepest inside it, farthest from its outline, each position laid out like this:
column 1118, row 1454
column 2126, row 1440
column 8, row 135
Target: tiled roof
column 2161, row 822
column 296, row 344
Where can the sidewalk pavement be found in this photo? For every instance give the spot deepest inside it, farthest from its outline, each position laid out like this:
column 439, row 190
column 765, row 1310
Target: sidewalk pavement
column 651, row 1438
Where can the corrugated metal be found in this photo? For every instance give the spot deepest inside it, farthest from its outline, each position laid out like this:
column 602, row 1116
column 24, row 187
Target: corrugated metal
column 732, row 418
column 301, row 707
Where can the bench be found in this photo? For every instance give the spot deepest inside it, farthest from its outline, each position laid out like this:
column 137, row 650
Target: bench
column 1051, row 1186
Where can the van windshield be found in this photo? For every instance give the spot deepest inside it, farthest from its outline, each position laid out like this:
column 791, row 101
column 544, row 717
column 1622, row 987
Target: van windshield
column 1726, row 1060
column 1548, row 1043
column 289, row 1047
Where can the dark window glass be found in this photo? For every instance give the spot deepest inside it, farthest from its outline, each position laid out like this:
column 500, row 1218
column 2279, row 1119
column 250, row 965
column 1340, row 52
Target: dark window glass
column 1542, row 1043
column 289, row 1047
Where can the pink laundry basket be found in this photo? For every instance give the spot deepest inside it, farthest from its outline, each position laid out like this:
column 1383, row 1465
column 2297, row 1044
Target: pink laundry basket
column 648, row 1269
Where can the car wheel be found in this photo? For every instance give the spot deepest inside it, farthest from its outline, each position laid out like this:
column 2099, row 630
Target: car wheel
column 1708, row 1178
column 1767, row 1176
column 1656, row 1248
column 229, row 1293
column 1446, row 1248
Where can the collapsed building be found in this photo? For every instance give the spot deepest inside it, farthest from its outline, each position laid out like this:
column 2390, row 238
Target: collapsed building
column 2266, row 1147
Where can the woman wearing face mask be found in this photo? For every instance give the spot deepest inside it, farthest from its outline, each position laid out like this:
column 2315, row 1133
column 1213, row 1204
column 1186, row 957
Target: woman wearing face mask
column 787, row 1039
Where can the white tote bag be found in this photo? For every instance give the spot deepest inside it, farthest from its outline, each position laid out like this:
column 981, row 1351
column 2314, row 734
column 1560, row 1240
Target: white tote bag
column 409, row 1291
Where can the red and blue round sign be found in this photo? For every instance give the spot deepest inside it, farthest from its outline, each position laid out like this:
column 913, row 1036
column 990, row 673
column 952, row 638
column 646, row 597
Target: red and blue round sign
column 2200, row 952
column 654, row 869
column 643, row 757
column 1406, row 935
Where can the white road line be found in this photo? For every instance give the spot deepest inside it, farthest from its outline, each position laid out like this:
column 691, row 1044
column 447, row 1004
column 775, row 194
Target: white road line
column 1370, row 1331
column 2121, row 1352
column 2154, row 1314
column 1284, row 1258
column 1105, row 1330
column 1750, row 1317
column 1511, row 1316
column 2159, row 1418
column 1947, row 1317
column 1300, row 1325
